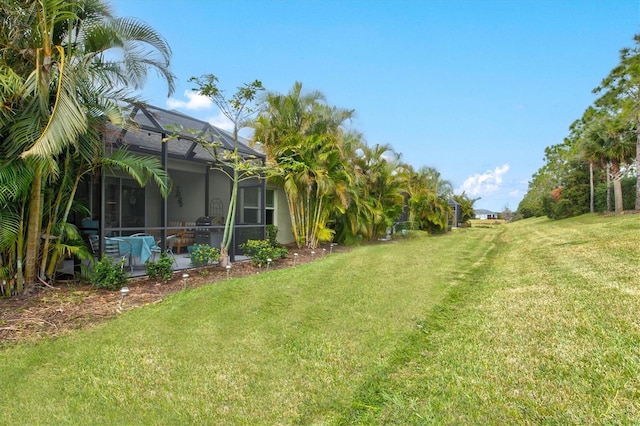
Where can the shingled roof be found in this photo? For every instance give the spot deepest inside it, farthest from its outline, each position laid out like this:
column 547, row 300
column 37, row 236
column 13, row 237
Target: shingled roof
column 151, row 124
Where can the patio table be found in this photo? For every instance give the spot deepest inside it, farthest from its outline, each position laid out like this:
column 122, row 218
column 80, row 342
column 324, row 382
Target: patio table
column 140, row 246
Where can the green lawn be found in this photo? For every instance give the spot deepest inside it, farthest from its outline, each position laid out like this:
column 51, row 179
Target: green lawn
column 528, row 323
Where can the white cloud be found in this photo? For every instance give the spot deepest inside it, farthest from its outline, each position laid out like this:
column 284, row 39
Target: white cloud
column 194, row 101
column 221, row 122
column 484, row 183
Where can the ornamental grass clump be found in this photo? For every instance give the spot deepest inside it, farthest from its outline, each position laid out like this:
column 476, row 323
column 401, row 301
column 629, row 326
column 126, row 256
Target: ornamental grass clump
column 261, row 250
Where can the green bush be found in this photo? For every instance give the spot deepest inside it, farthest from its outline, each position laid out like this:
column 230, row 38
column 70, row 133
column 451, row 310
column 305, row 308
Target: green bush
column 261, row 250
column 160, row 269
column 108, row 274
column 203, row 254
column 628, row 195
column 272, row 235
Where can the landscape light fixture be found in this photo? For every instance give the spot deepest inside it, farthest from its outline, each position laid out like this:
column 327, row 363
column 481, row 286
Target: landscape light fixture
column 295, row 257
column 228, row 268
column 331, row 247
column 313, row 254
column 184, row 280
column 123, row 292
column 324, row 251
column 268, row 263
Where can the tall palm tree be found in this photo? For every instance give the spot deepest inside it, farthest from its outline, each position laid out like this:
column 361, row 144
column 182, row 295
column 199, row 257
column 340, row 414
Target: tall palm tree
column 613, row 140
column 382, row 186
column 303, row 137
column 620, row 92
column 61, row 86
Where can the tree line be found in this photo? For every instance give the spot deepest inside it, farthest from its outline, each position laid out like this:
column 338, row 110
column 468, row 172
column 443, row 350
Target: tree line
column 60, row 83
column 596, row 166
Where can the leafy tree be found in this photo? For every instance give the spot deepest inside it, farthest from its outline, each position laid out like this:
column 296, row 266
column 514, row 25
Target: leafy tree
column 550, row 176
column 238, row 109
column 620, row 93
column 587, row 147
column 572, row 198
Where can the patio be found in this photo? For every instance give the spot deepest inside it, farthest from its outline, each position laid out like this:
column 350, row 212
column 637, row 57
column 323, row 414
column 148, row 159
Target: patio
column 195, row 209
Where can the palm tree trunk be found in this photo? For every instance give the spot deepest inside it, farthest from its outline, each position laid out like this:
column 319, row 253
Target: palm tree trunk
column 53, row 218
column 71, row 194
column 637, row 206
column 307, row 217
column 294, row 222
column 592, row 207
column 33, row 230
column 19, row 287
column 608, row 187
column 617, row 187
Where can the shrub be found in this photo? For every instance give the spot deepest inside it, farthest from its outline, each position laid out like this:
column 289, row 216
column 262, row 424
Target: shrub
column 261, row 250
column 203, row 254
column 108, row 274
column 272, row 234
column 160, row 269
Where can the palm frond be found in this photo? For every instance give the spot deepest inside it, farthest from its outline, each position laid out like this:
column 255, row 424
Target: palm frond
column 66, row 122
column 141, row 168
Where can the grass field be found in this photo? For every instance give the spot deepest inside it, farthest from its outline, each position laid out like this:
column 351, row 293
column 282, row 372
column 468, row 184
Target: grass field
column 532, row 322
column 486, row 223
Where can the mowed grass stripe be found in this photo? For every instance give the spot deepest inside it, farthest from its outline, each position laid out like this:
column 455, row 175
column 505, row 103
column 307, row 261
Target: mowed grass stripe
column 548, row 333
column 280, row 347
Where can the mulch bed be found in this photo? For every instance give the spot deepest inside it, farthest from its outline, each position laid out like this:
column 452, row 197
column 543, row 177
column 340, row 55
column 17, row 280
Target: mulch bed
column 72, row 305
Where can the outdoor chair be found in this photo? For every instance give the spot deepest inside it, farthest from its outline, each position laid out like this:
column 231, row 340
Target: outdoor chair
column 112, row 248
column 94, row 243
column 171, row 239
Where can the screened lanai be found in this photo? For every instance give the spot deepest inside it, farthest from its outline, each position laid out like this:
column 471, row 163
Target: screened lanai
column 195, row 210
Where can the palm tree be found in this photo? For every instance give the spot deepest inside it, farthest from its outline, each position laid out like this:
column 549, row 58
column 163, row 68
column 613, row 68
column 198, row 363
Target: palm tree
column 620, row 92
column 613, row 140
column 303, row 137
column 381, row 186
column 61, row 88
column 428, row 204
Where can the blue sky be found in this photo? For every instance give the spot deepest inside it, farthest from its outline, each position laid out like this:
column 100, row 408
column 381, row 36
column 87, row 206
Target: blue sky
column 476, row 89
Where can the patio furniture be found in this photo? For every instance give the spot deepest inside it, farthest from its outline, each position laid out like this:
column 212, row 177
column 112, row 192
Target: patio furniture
column 154, row 249
column 120, row 249
column 142, row 246
column 185, row 236
column 171, row 239
column 94, row 243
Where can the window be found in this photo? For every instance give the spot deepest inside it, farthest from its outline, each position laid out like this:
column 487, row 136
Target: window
column 250, row 205
column 124, row 204
column 270, row 206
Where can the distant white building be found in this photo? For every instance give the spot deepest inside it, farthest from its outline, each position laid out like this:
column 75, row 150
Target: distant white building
column 485, row 214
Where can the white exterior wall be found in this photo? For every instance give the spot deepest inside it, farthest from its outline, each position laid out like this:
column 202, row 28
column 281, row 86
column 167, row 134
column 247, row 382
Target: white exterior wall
column 189, row 178
column 281, row 217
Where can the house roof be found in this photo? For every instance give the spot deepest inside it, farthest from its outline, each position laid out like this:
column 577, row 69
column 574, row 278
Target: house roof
column 151, row 124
